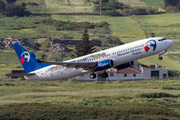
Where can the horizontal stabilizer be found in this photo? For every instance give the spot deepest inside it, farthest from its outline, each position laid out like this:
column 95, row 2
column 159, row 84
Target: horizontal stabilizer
column 20, row 74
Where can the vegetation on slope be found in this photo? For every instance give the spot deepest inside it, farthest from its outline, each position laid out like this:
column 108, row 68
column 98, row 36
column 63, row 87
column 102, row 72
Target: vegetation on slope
column 153, row 3
column 135, row 111
column 95, row 100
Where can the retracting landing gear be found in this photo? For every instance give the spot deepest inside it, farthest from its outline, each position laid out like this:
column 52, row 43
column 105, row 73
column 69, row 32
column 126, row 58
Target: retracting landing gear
column 160, row 58
column 92, row 75
column 164, row 51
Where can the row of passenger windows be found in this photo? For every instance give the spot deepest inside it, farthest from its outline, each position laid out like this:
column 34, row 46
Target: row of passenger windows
column 97, row 58
column 128, row 49
column 115, row 53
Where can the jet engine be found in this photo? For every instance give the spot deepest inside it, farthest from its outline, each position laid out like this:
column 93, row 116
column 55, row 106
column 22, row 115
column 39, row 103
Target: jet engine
column 104, row 65
column 125, row 65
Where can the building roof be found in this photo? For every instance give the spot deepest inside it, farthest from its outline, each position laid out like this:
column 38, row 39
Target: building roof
column 130, row 70
column 154, row 68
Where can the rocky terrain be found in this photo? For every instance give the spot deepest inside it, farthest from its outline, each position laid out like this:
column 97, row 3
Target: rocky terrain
column 7, row 43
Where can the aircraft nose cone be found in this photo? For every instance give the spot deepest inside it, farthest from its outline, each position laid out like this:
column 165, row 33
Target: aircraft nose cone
column 170, row 42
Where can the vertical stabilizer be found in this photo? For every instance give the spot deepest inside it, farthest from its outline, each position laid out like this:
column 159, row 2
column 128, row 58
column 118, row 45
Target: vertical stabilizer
column 28, row 59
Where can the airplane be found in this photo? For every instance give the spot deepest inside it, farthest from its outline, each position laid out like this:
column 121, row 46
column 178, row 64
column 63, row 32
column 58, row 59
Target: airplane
column 119, row 57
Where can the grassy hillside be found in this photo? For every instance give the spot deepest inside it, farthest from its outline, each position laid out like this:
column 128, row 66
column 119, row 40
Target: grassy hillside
column 96, row 100
column 153, row 3
column 143, row 3
column 126, row 28
column 167, row 25
column 68, row 6
column 120, row 26
column 134, row 3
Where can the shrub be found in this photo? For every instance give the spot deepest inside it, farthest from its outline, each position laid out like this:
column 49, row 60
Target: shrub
column 155, row 95
column 133, row 111
column 139, row 11
column 144, row 11
column 8, row 84
column 111, row 13
column 61, row 25
column 127, row 12
column 169, row 8
column 32, row 4
column 151, row 10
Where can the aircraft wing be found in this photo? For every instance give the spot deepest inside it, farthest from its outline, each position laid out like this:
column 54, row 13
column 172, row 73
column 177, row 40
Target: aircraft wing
column 72, row 64
column 20, row 74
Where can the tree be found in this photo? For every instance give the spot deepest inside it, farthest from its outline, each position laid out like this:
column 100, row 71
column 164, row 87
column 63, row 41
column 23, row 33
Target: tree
column 2, row 6
column 36, row 46
column 23, row 5
column 10, row 1
column 172, row 3
column 83, row 48
column 13, row 9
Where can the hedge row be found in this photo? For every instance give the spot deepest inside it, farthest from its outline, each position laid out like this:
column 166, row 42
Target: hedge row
column 155, row 95
column 133, row 111
column 61, row 25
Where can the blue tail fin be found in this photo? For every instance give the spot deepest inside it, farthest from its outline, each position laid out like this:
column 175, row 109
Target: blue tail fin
column 28, row 59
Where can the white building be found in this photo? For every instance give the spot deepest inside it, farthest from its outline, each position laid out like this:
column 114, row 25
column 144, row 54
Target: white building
column 131, row 73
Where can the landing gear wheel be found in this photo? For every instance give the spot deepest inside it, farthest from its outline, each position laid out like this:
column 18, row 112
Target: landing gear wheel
column 160, row 58
column 92, row 75
column 105, row 75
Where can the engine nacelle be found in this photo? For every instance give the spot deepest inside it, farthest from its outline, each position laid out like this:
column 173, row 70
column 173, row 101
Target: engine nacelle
column 104, row 65
column 125, row 65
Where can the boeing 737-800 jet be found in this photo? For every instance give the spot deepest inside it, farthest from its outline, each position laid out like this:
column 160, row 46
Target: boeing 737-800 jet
column 117, row 57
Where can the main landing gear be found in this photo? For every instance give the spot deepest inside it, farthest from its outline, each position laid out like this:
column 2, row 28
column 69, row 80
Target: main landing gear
column 92, row 75
column 105, row 75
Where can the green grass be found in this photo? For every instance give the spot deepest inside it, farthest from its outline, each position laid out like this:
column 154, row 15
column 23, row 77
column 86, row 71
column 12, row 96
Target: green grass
column 22, row 27
column 133, row 3
column 166, row 25
column 56, row 99
column 135, row 111
column 153, row 3
column 70, row 6
column 112, row 94
column 17, row 91
column 120, row 26
column 166, row 62
column 7, row 57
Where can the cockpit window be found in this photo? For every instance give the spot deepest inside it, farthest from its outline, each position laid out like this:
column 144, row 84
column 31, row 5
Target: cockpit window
column 162, row 39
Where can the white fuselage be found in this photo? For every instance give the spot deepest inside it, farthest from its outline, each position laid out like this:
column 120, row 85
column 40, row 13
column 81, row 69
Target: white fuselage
column 120, row 54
